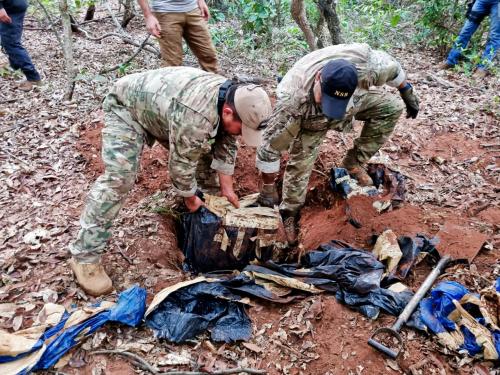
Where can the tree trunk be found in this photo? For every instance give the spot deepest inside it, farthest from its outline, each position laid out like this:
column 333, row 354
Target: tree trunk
column 89, row 15
column 67, row 46
column 329, row 12
column 319, row 31
column 129, row 13
column 299, row 15
column 74, row 26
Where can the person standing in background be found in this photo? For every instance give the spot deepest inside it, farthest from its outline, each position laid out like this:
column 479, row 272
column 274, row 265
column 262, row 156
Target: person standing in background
column 478, row 11
column 172, row 20
column 12, row 14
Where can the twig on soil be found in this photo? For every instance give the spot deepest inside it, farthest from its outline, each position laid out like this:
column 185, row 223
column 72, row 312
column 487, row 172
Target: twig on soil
column 441, row 81
column 149, row 47
column 143, row 364
column 321, row 173
column 126, row 37
column 220, row 372
column 128, row 60
column 15, row 157
column 9, row 100
column 95, row 20
column 234, row 371
column 296, row 352
column 125, row 256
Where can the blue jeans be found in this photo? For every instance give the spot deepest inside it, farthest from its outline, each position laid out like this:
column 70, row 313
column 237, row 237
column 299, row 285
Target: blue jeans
column 10, row 35
column 481, row 9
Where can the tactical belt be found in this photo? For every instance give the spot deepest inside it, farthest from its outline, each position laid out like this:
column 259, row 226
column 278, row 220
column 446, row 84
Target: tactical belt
column 221, row 99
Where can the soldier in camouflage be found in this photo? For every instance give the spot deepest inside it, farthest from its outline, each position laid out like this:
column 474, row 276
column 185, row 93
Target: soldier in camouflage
column 325, row 90
column 197, row 116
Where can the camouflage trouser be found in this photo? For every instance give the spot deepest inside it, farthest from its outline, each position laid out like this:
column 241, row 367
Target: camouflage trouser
column 122, row 142
column 379, row 111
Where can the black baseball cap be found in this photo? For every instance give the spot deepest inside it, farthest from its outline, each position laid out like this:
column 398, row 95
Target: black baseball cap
column 339, row 79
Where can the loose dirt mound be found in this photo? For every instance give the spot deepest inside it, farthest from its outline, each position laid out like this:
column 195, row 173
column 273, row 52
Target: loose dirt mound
column 337, row 339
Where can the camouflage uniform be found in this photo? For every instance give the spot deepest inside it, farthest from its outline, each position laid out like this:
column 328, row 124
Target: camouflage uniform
column 176, row 106
column 299, row 126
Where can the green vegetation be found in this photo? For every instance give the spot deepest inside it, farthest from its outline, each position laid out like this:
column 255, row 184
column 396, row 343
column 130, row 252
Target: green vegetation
column 244, row 25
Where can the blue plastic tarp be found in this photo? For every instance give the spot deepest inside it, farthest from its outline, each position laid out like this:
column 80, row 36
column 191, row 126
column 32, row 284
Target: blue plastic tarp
column 461, row 320
column 58, row 339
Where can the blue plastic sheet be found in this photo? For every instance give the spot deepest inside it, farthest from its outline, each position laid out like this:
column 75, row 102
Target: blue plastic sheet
column 439, row 314
column 128, row 310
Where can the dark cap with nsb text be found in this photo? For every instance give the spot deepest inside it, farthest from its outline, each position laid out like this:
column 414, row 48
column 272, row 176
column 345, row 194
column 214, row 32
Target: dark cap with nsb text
column 339, row 79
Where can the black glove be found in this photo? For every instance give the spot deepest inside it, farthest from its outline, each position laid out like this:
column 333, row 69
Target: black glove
column 411, row 101
column 268, row 196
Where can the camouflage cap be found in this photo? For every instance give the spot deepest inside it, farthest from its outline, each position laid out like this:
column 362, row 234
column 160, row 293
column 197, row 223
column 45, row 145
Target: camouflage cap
column 253, row 107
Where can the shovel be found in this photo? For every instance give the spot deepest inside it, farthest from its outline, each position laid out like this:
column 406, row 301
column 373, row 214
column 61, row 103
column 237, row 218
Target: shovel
column 405, row 315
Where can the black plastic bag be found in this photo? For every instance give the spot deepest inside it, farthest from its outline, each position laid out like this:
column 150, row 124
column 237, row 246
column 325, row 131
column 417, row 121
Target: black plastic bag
column 381, row 299
column 351, row 269
column 394, row 182
column 203, row 254
column 243, row 284
column 226, row 238
column 411, row 249
column 191, row 310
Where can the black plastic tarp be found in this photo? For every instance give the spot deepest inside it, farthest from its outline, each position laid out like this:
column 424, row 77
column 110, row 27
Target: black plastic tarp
column 345, row 267
column 191, row 310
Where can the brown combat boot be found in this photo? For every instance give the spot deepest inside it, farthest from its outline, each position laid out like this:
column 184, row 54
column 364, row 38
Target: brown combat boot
column 28, row 85
column 480, row 73
column 291, row 226
column 359, row 173
column 445, row 65
column 356, row 171
column 4, row 61
column 91, row 277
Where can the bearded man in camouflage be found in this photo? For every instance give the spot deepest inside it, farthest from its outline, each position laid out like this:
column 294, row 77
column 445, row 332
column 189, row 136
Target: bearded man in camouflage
column 325, row 90
column 197, row 116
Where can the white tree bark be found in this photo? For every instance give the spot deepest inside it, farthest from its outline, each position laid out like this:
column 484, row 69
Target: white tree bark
column 67, row 47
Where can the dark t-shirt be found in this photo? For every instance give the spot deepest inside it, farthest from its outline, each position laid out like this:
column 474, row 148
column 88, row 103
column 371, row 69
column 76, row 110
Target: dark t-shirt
column 14, row 6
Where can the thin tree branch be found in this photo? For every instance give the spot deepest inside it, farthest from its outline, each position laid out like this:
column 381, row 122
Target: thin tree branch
column 58, row 37
column 149, row 47
column 129, row 59
column 115, row 21
column 126, row 36
column 143, row 364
